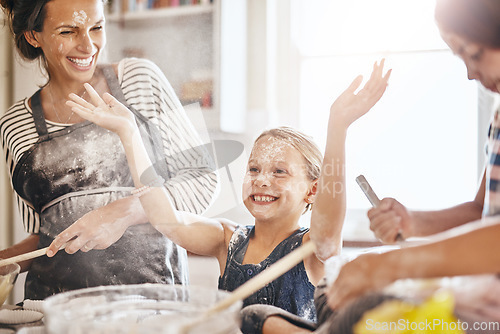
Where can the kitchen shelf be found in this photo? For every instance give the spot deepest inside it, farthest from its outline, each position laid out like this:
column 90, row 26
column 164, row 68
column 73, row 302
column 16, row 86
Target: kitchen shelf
column 188, row 44
column 173, row 12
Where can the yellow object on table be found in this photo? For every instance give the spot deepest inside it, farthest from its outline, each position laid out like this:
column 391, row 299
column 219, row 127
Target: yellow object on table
column 435, row 315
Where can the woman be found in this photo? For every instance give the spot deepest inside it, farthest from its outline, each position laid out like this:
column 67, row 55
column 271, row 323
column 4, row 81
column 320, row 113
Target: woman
column 71, row 177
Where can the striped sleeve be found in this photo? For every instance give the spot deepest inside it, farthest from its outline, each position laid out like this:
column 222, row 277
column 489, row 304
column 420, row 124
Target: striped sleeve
column 194, row 181
column 17, row 135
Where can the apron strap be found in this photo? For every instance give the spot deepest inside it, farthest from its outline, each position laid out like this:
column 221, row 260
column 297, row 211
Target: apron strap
column 149, row 132
column 36, row 107
column 116, row 90
column 114, row 86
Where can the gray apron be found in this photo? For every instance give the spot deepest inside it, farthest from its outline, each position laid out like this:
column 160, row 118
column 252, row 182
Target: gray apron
column 71, row 172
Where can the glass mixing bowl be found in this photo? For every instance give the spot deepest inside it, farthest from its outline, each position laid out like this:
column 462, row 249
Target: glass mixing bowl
column 141, row 308
column 8, row 276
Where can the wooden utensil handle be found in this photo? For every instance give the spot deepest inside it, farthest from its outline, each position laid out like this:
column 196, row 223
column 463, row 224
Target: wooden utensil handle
column 24, row 257
column 270, row 274
column 27, row 256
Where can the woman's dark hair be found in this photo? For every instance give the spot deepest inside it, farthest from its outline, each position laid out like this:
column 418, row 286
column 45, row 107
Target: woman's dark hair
column 25, row 16
column 476, row 20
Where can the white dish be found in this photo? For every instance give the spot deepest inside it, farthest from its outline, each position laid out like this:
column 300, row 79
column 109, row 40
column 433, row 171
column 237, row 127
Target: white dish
column 15, row 317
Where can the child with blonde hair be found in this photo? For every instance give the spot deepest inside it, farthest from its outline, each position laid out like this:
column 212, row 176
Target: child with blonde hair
column 282, row 181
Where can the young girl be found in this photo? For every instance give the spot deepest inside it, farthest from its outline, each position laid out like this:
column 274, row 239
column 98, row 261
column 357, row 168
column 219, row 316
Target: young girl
column 280, row 184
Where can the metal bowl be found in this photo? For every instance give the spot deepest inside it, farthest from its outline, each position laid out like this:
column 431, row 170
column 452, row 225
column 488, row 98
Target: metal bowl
column 142, row 308
column 8, row 276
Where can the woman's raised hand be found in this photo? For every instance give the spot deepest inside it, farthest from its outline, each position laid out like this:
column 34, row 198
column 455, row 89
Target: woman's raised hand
column 105, row 111
column 349, row 106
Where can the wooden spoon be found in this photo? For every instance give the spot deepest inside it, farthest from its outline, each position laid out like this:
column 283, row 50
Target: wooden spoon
column 268, row 275
column 26, row 256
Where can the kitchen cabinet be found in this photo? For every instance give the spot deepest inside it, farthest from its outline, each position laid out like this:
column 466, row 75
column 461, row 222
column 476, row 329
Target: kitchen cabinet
column 186, row 42
column 182, row 41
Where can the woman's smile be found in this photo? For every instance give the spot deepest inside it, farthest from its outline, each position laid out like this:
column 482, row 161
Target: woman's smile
column 81, row 62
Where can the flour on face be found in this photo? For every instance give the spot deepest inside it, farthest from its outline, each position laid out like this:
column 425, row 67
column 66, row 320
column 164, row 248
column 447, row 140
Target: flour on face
column 80, row 17
column 271, row 149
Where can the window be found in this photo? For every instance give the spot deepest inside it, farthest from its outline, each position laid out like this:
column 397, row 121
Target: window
column 420, row 143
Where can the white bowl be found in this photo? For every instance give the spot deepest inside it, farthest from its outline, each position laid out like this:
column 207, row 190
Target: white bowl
column 139, row 308
column 8, row 276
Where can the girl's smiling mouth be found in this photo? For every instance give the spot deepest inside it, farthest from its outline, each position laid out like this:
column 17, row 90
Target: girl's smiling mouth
column 263, row 198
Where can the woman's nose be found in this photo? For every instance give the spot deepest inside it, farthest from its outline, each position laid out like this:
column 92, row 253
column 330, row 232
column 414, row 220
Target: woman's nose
column 86, row 43
column 472, row 73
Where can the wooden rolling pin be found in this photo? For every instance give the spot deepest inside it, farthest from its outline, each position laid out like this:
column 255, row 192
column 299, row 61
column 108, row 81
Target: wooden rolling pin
column 268, row 275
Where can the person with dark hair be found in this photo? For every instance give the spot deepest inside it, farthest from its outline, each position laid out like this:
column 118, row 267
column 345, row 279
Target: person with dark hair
column 71, row 178
column 469, row 28
column 468, row 244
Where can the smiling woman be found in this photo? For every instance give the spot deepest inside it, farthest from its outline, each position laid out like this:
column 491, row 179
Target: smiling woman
column 71, row 178
column 71, row 40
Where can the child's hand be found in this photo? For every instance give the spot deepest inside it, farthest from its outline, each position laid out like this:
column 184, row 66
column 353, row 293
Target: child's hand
column 348, row 107
column 106, row 112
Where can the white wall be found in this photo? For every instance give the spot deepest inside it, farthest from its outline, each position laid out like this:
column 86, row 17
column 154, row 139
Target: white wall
column 10, row 225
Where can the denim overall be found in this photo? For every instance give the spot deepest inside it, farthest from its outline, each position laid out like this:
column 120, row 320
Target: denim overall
column 292, row 291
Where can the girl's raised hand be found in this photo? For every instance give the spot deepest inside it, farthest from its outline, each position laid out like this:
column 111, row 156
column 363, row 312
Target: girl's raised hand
column 349, row 106
column 106, row 112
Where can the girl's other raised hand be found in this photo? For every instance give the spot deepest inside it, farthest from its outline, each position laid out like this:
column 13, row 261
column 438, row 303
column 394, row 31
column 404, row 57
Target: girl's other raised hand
column 350, row 106
column 105, row 111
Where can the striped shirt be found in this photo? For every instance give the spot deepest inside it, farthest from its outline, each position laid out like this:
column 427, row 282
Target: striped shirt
column 492, row 192
column 193, row 181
